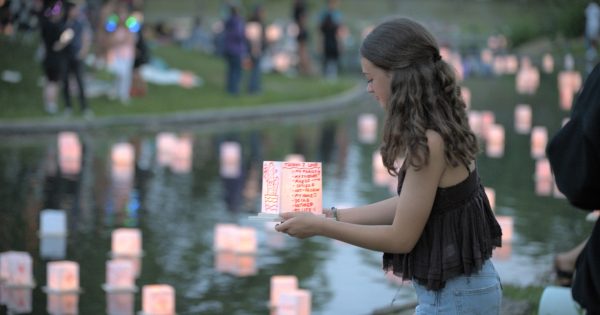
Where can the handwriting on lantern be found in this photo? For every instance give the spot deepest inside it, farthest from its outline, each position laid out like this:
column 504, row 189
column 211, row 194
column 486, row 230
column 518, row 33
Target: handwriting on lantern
column 292, row 187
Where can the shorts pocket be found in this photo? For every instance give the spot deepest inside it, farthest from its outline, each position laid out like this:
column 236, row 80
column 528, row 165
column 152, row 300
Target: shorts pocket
column 480, row 301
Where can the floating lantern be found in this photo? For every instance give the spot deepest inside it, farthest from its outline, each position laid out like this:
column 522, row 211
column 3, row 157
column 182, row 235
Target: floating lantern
column 544, row 181
column 280, row 284
column 294, row 158
column 488, row 118
column 465, row 93
column 69, row 153
column 273, row 33
column 507, row 225
column 158, row 299
column 523, row 117
column 62, row 303
column 381, row 177
column 16, row 269
column 121, row 303
column 475, row 121
column 569, row 83
column 245, row 265
column 166, row 143
column 182, row 156
column 367, row 128
column 126, row 242
column 123, row 161
column 527, row 80
column 511, row 64
column 539, row 139
column 548, row 63
column 297, row 302
column 491, row 195
column 246, row 240
column 18, row 300
column 120, row 275
column 225, row 237
column 231, row 159
column 495, row 141
column 63, row 276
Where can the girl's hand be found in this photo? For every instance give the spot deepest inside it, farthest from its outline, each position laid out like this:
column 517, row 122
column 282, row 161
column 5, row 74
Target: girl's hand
column 300, row 224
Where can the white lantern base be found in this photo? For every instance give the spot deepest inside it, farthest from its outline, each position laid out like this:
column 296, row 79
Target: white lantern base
column 30, row 285
column 144, row 313
column 115, row 255
column 59, row 291
column 114, row 289
column 265, row 217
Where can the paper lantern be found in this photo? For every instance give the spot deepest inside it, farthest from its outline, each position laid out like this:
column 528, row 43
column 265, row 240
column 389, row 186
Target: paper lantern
column 539, row 139
column 488, row 118
column 246, row 240
column 475, row 121
column 18, row 300
column 523, row 118
column 53, row 234
column 181, row 162
column 273, row 32
column 253, row 31
column 62, row 303
column 465, row 93
column 569, row 83
column 225, row 236
column 544, row 181
column 63, row 276
column 367, row 128
column 123, row 161
column 527, row 80
column 495, row 141
column 507, row 225
column 120, row 275
column 548, row 63
column 120, row 303
column 158, row 299
column 166, row 143
column 126, row 242
column 381, row 177
column 230, row 159
column 491, row 195
column 281, row 284
column 511, row 64
column 16, row 269
column 297, row 302
column 69, row 153
column 294, row 158
column 282, row 61
column 487, row 56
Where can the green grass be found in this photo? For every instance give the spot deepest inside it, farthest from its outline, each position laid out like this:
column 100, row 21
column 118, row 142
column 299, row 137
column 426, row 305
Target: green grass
column 530, row 294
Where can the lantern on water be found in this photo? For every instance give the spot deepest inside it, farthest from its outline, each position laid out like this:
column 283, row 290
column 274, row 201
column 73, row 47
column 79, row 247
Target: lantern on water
column 63, row 276
column 230, row 154
column 544, row 181
column 548, row 63
column 181, row 162
column 488, row 118
column 158, row 299
column 18, row 300
column 279, row 285
column 465, row 93
column 487, row 56
column 495, row 141
column 16, row 269
column 225, row 237
column 166, row 143
column 367, row 128
column 569, row 82
column 475, row 122
column 120, row 274
column 120, row 303
column 282, row 61
column 123, row 161
column 381, row 177
column 126, row 242
column 296, row 302
column 523, row 118
column 246, row 240
column 53, row 233
column 69, row 153
column 491, row 195
column 245, row 265
column 527, row 80
column 511, row 64
column 539, row 139
column 62, row 303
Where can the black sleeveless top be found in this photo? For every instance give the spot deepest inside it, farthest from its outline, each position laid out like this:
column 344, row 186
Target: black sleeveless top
column 457, row 239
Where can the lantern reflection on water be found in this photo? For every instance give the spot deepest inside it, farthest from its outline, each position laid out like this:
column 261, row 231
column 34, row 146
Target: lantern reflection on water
column 158, row 299
column 544, row 181
column 120, row 275
column 230, row 154
column 62, row 303
column 539, row 139
column 120, row 303
column 280, row 284
column 495, row 141
column 69, row 153
column 523, row 118
column 296, row 302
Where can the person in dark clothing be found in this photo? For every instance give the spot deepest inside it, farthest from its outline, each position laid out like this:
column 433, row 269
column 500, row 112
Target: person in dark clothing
column 300, row 16
column 52, row 25
column 330, row 23
column 75, row 52
column 234, row 49
column 257, row 46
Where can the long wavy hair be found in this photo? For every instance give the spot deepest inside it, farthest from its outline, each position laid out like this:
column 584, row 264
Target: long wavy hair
column 424, row 95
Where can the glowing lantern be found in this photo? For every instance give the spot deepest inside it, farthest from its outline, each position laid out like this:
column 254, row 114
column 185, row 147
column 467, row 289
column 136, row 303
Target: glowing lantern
column 539, row 139
column 63, row 276
column 367, row 128
column 511, row 64
column 123, row 161
column 527, row 79
column 126, row 242
column 225, row 237
column 381, row 177
column 69, row 153
column 569, row 82
column 543, row 177
column 488, row 118
column 279, row 285
column 120, row 275
column 294, row 158
column 290, row 187
column 465, row 92
column 231, row 159
column 246, row 240
column 18, row 300
column 273, row 33
column 224, row 261
column 499, row 65
column 253, row 31
column 297, row 302
column 158, row 299
column 491, row 195
column 523, row 118
column 187, row 79
column 495, row 141
column 166, row 144
column 548, row 63
column 182, row 156
column 475, row 122
column 282, row 61
column 16, row 269
column 487, row 56
column 120, row 303
column 62, row 303
column 245, row 265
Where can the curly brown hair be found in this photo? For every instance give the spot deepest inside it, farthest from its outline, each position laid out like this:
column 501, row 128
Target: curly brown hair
column 424, row 95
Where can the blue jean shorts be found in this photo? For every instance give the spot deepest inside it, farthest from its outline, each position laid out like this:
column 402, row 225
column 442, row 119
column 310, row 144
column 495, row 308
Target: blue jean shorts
column 479, row 293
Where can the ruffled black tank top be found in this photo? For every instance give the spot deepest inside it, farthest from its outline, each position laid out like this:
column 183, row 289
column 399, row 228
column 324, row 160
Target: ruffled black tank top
column 458, row 238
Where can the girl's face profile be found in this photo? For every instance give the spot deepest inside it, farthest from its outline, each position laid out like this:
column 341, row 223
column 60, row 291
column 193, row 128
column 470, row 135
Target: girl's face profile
column 378, row 81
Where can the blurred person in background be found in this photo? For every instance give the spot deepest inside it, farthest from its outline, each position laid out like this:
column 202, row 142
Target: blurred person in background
column 300, row 15
column 121, row 50
column 52, row 25
column 330, row 21
column 234, row 49
column 257, row 43
column 142, row 57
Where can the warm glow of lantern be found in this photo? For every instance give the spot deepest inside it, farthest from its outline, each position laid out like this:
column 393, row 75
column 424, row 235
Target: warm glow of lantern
column 273, row 33
column 63, row 276
column 491, row 195
column 282, row 61
column 506, row 223
column 465, row 92
column 166, row 143
column 280, row 284
column 120, row 303
column 253, row 31
column 495, row 141
column 475, row 121
column 231, row 159
column 367, row 128
column 62, row 303
column 544, row 181
column 120, row 274
column 523, row 117
column 69, row 153
column 548, row 63
column 294, row 158
column 512, row 64
column 16, row 269
column 488, row 118
column 245, row 265
column 381, row 177
column 487, row 56
column 158, row 299
column 539, row 139
column 225, row 237
column 225, row 261
column 527, row 80
column 569, row 83
column 296, row 302
column 246, row 240
column 182, row 156
column 123, row 161
column 126, row 242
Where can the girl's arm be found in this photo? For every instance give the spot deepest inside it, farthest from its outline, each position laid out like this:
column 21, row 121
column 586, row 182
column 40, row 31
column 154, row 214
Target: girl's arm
column 379, row 213
column 413, row 207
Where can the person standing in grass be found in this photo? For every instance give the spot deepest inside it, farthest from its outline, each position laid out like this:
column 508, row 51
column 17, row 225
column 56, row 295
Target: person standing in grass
column 440, row 230
column 52, row 26
column 234, row 49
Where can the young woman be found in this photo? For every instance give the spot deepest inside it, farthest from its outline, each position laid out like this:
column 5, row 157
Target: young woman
column 440, row 230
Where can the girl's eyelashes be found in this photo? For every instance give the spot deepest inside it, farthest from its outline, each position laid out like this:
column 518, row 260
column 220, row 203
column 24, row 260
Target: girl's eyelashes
column 369, row 81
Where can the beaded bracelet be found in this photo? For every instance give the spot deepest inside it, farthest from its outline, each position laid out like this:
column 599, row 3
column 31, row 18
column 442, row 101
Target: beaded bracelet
column 335, row 214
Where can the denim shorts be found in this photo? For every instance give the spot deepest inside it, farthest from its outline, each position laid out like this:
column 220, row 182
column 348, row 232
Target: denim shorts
column 479, row 293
